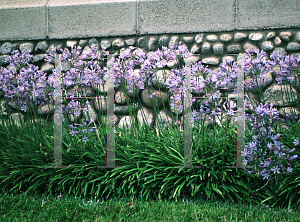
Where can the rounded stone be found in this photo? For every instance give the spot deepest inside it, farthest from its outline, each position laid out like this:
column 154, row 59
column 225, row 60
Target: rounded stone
column 91, row 114
column 188, row 39
column 123, row 51
column 225, row 38
column 82, row 42
column 138, row 51
column 205, row 47
column 58, row 48
column 276, row 92
column 195, row 49
column 160, row 75
column 271, row 35
column 267, row 80
column 267, row 46
column 120, row 98
column 124, row 109
column 249, row 47
column 134, row 90
column 29, row 108
column 212, row 38
column 141, row 42
column 199, row 38
column 15, row 118
column 100, row 104
column 16, row 68
column 161, row 97
column 130, row 42
column 192, row 59
column 174, row 41
column 177, row 104
column 5, row 107
column 86, row 50
column 26, row 46
column 46, row 109
column 287, row 110
column 115, row 119
column 293, row 46
column 239, row 36
column 233, row 49
column 126, row 121
column 3, row 59
column 152, row 43
column 144, row 115
column 38, row 58
column 218, row 49
column 163, row 120
column 149, row 54
column 226, row 58
column 93, row 41
column 41, row 46
column 47, row 67
column 256, row 36
column 211, row 61
column 173, row 64
column 297, row 37
column 278, row 51
column 105, row 44
column 66, row 66
column 6, row 48
column 71, row 43
column 118, row 43
column 277, row 41
column 163, row 41
column 285, row 36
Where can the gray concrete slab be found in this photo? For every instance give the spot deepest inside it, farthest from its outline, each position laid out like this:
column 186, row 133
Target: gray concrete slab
column 59, row 19
column 22, row 3
column 81, row 18
column 23, row 19
column 184, row 16
column 257, row 14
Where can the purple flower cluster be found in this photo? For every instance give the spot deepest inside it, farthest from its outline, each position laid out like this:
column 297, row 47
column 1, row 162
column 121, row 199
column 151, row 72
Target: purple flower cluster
column 123, row 73
column 263, row 142
column 17, row 59
column 72, row 132
column 226, row 74
column 31, row 84
column 254, row 68
column 26, row 84
column 86, row 71
column 255, row 152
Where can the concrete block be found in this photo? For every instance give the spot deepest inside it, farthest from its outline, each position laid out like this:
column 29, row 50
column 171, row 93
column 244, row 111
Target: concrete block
column 185, row 16
column 23, row 19
column 256, row 14
column 82, row 18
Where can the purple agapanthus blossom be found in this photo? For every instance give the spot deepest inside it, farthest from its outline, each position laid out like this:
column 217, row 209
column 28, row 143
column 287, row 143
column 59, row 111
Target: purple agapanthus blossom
column 26, row 84
column 29, row 85
column 85, row 72
column 275, row 162
column 260, row 111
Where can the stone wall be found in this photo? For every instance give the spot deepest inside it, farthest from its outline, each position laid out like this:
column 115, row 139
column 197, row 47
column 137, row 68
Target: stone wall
column 209, row 48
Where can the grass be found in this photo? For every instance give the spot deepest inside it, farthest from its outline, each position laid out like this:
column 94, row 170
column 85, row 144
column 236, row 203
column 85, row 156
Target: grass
column 69, row 208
